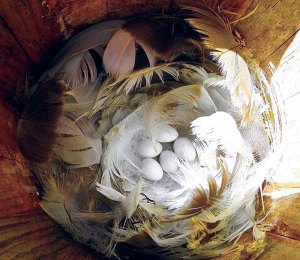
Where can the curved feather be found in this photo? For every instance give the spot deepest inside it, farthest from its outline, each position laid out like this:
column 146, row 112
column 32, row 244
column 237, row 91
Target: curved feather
column 219, row 39
column 74, row 58
column 119, row 55
column 122, row 86
column 76, row 146
column 216, row 34
column 239, row 80
column 161, row 37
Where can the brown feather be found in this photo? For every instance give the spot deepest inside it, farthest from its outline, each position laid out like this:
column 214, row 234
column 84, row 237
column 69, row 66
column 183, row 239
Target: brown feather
column 37, row 124
column 161, row 38
column 215, row 32
column 201, row 200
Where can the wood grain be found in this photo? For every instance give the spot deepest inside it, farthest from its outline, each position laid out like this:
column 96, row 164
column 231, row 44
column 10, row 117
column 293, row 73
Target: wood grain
column 74, row 15
column 33, row 235
column 14, row 62
column 17, row 193
column 270, row 30
column 32, row 25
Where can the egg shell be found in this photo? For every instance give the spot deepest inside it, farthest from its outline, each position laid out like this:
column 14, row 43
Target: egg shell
column 149, row 148
column 168, row 161
column 165, row 133
column 151, row 170
column 184, row 148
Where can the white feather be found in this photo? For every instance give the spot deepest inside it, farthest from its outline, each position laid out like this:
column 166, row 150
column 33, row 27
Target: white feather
column 110, row 193
column 132, row 200
column 286, row 97
column 219, row 129
column 239, row 81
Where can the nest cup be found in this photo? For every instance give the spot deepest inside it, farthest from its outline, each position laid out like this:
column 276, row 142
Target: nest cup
column 30, row 33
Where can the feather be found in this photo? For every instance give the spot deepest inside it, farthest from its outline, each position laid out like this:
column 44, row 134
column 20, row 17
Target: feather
column 119, row 115
column 152, row 236
column 134, row 80
column 57, row 197
column 53, row 203
column 119, row 56
column 216, row 34
column 153, row 209
column 129, row 203
column 98, row 217
column 219, row 39
column 204, row 191
column 238, row 79
column 75, row 58
column 132, row 200
column 110, row 95
column 119, row 139
column 163, row 39
column 36, row 131
column 217, row 133
column 110, row 193
column 284, row 102
column 124, row 85
column 191, row 75
column 161, row 110
column 164, row 109
column 80, row 100
column 221, row 97
column 256, row 137
column 105, row 179
column 79, row 70
column 69, row 201
column 76, row 146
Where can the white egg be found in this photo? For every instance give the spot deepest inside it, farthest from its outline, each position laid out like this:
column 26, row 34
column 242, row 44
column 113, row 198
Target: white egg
column 168, row 161
column 165, row 133
column 184, row 148
column 151, row 170
column 149, row 148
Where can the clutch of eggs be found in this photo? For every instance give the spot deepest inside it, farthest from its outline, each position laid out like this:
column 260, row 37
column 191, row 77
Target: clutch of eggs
column 168, row 160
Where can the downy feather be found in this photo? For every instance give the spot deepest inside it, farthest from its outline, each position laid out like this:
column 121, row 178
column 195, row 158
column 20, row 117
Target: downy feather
column 219, row 129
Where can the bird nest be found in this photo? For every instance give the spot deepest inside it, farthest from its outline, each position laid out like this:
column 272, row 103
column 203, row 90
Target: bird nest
column 154, row 132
